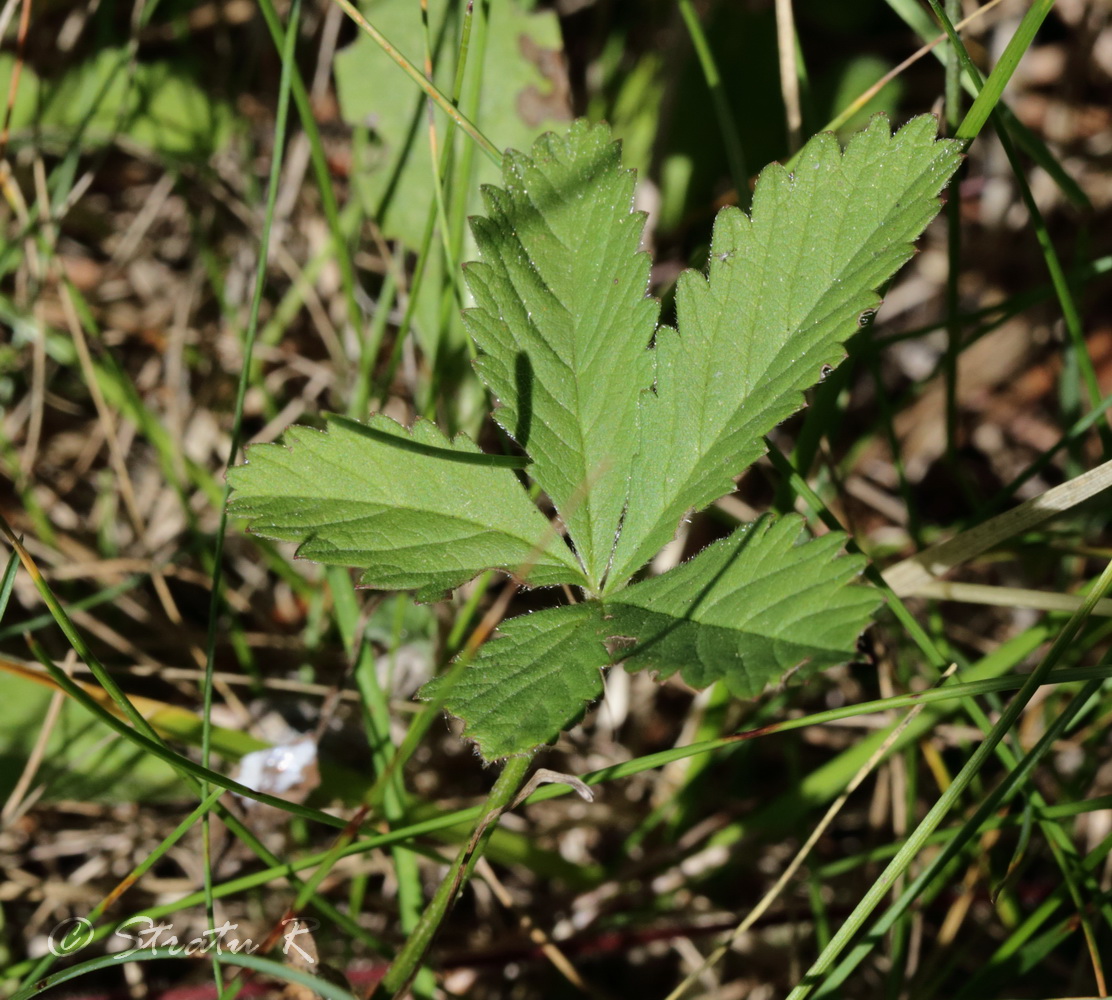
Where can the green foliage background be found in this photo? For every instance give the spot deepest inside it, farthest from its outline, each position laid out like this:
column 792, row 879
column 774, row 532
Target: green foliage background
column 211, row 230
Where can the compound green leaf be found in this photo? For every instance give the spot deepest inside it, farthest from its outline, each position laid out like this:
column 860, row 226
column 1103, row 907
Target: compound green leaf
column 415, row 510
column 746, row 610
column 564, row 325
column 784, row 289
column 530, row 682
column 628, row 428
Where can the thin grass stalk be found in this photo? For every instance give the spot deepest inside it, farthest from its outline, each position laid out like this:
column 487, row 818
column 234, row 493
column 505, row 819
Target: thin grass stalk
column 969, row 829
column 435, row 156
column 1062, row 858
column 427, row 86
column 727, row 127
column 7, row 583
column 459, row 173
column 458, row 220
column 320, row 169
column 953, row 257
column 992, row 90
column 359, row 399
column 789, row 74
column 294, row 298
column 798, row 858
column 839, row 120
column 376, row 712
column 194, row 774
column 985, row 106
column 899, row 864
column 446, row 170
column 915, row 16
column 1060, row 845
column 17, row 70
column 289, row 50
column 1009, row 949
column 88, row 926
column 888, row 421
column 441, row 164
column 277, row 970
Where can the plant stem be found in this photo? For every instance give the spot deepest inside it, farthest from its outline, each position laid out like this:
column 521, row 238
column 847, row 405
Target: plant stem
column 405, row 966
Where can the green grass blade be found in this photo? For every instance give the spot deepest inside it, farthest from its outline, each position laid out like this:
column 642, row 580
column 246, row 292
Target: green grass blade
column 993, row 90
column 276, row 970
column 880, row 888
column 426, row 85
column 1070, row 312
column 727, row 127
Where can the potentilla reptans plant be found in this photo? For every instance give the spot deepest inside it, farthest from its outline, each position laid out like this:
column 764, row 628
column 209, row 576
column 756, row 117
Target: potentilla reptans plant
column 628, row 427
